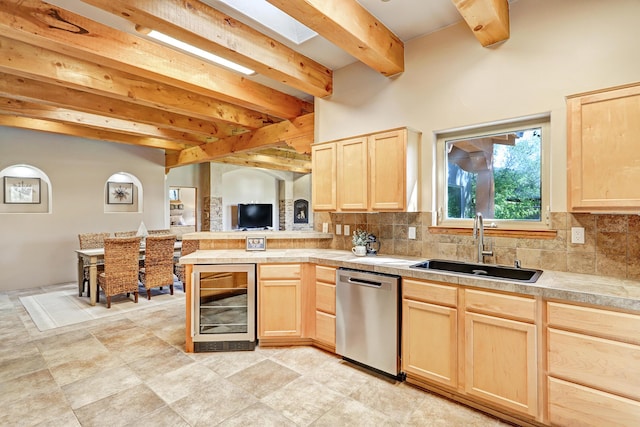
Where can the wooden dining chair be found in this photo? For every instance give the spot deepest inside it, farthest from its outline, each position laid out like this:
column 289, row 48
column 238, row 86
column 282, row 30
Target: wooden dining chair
column 158, row 263
column 120, row 274
column 188, row 246
column 159, row 232
column 91, row 241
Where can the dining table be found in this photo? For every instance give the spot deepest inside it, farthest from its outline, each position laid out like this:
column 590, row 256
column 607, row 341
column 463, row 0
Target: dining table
column 93, row 257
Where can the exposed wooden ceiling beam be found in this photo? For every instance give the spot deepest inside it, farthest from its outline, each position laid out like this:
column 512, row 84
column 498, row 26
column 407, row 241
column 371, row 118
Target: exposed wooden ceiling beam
column 298, row 131
column 266, row 161
column 203, row 26
column 488, row 19
column 41, row 24
column 32, row 110
column 84, row 132
column 40, row 64
column 24, row 89
column 351, row 27
column 285, row 153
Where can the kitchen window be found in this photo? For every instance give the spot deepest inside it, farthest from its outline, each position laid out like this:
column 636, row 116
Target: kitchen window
column 499, row 171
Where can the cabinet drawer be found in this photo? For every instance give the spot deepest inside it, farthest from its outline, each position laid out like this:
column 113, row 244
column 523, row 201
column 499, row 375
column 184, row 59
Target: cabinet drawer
column 596, row 362
column 594, row 321
column 326, row 328
column 326, row 297
column 572, row 405
column 500, row 305
column 279, row 271
column 326, row 274
column 429, row 292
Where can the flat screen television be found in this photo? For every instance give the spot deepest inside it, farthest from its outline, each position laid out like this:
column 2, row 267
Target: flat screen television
column 255, row 215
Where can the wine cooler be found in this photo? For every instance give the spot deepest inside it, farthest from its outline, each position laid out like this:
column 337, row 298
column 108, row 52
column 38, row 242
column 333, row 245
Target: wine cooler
column 224, row 307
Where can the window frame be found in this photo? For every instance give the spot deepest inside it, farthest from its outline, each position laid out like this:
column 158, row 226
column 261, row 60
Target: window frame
column 541, row 121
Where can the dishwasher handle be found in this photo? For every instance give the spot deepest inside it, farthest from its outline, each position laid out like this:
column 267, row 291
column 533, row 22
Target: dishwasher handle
column 363, row 282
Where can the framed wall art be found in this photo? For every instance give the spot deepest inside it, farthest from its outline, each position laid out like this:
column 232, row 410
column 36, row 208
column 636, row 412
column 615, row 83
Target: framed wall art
column 120, row 193
column 21, row 190
column 256, row 243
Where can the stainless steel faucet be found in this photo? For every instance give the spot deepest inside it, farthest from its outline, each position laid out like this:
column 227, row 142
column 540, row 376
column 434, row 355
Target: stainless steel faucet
column 478, row 234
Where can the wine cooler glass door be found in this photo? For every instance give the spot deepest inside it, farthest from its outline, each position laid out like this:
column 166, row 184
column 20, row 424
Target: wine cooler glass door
column 224, row 298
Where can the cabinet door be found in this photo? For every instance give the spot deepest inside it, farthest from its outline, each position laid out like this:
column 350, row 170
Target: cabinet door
column 603, row 167
column 353, row 175
column 280, row 308
column 595, row 362
column 323, row 184
column 429, row 341
column 501, row 362
column 326, row 329
column 388, row 159
column 575, row 405
column 326, row 297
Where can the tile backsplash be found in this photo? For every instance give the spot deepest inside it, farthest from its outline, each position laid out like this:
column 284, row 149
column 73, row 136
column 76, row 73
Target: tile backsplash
column 611, row 248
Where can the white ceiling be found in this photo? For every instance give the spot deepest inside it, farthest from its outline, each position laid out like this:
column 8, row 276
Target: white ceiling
column 408, row 19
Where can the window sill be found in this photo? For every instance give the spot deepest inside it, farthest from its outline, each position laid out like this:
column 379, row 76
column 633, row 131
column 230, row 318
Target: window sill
column 496, row 232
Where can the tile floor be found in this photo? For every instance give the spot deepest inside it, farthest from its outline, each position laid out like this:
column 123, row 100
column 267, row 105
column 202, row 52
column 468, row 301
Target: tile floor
column 131, row 370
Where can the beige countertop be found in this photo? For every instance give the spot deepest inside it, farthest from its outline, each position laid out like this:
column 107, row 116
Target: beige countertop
column 583, row 288
column 269, row 234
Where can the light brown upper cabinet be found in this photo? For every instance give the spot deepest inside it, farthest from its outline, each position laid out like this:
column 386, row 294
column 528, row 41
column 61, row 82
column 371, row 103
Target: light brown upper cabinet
column 373, row 172
column 353, row 174
column 323, row 182
column 603, row 151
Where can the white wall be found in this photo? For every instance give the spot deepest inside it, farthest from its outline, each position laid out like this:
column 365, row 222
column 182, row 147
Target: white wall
column 248, row 185
column 188, row 176
column 557, row 48
column 38, row 249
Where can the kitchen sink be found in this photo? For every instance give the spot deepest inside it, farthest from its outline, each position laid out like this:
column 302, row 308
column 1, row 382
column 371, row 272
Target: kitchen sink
column 484, row 270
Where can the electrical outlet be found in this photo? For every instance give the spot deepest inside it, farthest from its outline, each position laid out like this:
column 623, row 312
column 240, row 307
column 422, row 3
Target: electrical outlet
column 577, row 235
column 346, row 230
column 412, row 233
column 338, row 229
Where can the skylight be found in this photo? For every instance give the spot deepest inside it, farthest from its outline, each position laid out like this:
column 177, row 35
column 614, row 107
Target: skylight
column 272, row 18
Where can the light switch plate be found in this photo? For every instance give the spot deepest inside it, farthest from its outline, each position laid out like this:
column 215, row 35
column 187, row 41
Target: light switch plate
column 577, row 235
column 412, row 233
column 338, row 229
column 325, row 227
column 347, row 229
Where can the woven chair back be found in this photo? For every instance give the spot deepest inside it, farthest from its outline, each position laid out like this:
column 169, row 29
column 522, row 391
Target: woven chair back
column 189, row 246
column 125, row 233
column 92, row 240
column 158, row 260
column 121, row 255
column 159, row 232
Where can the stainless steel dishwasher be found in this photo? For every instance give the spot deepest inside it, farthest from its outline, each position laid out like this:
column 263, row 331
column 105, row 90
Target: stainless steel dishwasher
column 367, row 319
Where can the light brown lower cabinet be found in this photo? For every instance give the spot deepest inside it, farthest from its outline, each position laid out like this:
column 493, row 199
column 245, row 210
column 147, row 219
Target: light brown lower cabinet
column 479, row 345
column 501, row 352
column 325, row 307
column 430, row 332
column 501, row 362
column 593, row 358
column 279, row 300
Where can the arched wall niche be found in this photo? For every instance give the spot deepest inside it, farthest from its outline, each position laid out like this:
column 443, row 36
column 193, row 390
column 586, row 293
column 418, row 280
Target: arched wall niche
column 123, row 193
column 25, row 189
